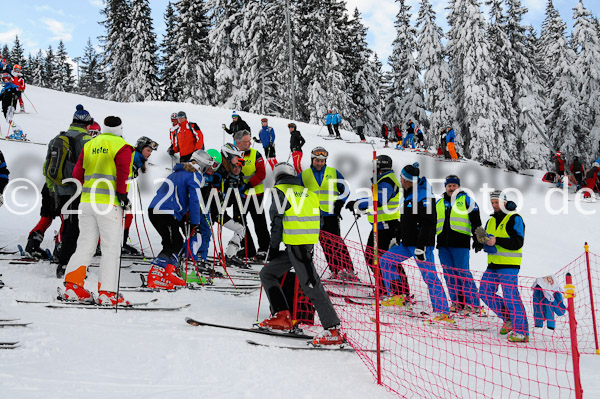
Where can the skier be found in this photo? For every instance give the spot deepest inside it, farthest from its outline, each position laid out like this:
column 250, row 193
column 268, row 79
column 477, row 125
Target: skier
column 177, row 196
column 267, row 139
column 143, row 150
column 578, row 172
column 398, row 134
column 4, row 172
column 410, row 135
column 503, row 238
column 20, row 82
column 103, row 168
column 388, row 216
column 5, row 67
column 328, row 184
column 360, row 127
column 188, row 138
column 591, row 179
column 296, row 224
column 450, row 136
column 336, row 120
column 443, row 147
column 172, row 134
column 420, row 138
column 8, row 96
column 296, row 143
column 77, row 137
column 457, row 218
column 385, row 134
column 237, row 125
column 417, row 234
column 329, row 123
column 253, row 172
column 559, row 164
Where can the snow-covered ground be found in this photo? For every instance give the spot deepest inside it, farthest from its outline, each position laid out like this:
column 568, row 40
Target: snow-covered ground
column 95, row 353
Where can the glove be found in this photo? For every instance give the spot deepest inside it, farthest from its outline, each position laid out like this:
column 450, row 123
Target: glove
column 273, row 254
column 477, row 246
column 224, row 127
column 481, row 235
column 170, row 151
column 245, row 187
column 338, row 205
column 350, row 205
column 420, row 254
column 256, row 140
column 123, row 200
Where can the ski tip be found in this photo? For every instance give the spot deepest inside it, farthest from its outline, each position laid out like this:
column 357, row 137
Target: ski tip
column 191, row 321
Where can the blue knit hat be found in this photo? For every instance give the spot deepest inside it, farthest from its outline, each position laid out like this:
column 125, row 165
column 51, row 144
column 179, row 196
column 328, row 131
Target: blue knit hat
column 81, row 116
column 452, row 179
column 410, row 172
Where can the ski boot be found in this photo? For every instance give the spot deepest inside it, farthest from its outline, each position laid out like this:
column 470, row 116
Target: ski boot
column 164, row 275
column 514, row 336
column 107, row 298
column 331, row 336
column 506, row 327
column 281, row 320
column 32, row 249
column 76, row 293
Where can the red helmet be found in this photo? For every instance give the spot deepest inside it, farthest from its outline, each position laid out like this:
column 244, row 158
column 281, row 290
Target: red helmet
column 17, row 67
column 94, row 129
column 5, row 76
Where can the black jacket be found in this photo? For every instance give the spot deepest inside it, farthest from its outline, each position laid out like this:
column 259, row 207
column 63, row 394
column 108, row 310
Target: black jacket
column 453, row 239
column 417, row 228
column 296, row 141
column 3, row 173
column 515, row 227
column 237, row 126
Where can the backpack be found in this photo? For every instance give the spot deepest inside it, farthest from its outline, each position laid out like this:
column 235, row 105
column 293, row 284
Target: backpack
column 59, row 151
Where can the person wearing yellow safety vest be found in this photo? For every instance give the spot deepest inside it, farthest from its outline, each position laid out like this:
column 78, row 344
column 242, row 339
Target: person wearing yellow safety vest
column 389, row 194
column 253, row 169
column 103, row 168
column 295, row 220
column 328, row 184
column 457, row 219
column 504, row 246
column 417, row 234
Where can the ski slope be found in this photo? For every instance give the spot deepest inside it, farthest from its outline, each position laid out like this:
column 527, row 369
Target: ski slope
column 94, row 353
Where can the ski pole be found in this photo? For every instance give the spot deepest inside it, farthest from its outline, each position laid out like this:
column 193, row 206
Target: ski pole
column 36, row 111
column 120, row 258
column 261, row 286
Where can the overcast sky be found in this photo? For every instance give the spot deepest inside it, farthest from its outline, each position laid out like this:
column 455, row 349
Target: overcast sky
column 43, row 23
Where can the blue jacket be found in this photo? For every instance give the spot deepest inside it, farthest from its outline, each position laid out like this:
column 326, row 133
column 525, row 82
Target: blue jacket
column 267, row 136
column 184, row 197
column 544, row 311
column 337, row 118
column 319, row 178
column 328, row 118
column 138, row 162
column 9, row 86
column 450, row 136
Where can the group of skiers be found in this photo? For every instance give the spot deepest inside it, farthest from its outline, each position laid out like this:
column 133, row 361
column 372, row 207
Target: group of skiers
column 13, row 86
column 578, row 174
column 408, row 139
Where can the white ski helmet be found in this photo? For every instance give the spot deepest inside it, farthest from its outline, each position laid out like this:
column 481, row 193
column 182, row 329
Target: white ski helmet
column 283, row 169
column 203, row 160
column 229, row 151
column 319, row 153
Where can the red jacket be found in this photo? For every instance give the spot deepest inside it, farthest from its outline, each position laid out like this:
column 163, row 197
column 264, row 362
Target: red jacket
column 19, row 81
column 188, row 138
column 123, row 162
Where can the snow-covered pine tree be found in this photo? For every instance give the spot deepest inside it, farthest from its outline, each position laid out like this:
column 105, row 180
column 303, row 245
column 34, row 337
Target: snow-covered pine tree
column 474, row 86
column 225, row 16
column 38, row 70
column 5, row 51
column 142, row 82
column 117, row 47
column 436, row 73
column 532, row 149
column 17, row 54
column 195, row 70
column 548, row 38
column 276, row 99
column 586, row 43
column 50, row 67
column 31, row 64
column 563, row 107
column 170, row 88
column 91, row 74
column 406, row 97
column 364, row 76
column 63, row 78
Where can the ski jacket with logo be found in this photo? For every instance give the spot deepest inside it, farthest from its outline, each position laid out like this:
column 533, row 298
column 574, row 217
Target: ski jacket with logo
column 188, row 138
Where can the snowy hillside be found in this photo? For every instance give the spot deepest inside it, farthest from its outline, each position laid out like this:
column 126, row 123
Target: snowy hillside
column 92, row 354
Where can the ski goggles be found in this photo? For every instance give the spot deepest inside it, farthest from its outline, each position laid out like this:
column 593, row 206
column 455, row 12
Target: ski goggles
column 264, row 120
column 320, row 154
column 94, row 132
column 153, row 145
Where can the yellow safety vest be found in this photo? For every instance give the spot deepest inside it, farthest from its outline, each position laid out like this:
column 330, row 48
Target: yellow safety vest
column 327, row 192
column 503, row 256
column 393, row 205
column 100, row 178
column 459, row 217
column 249, row 170
column 301, row 226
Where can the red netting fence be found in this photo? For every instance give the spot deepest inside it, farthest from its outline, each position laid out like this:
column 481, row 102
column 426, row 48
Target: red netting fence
column 468, row 358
